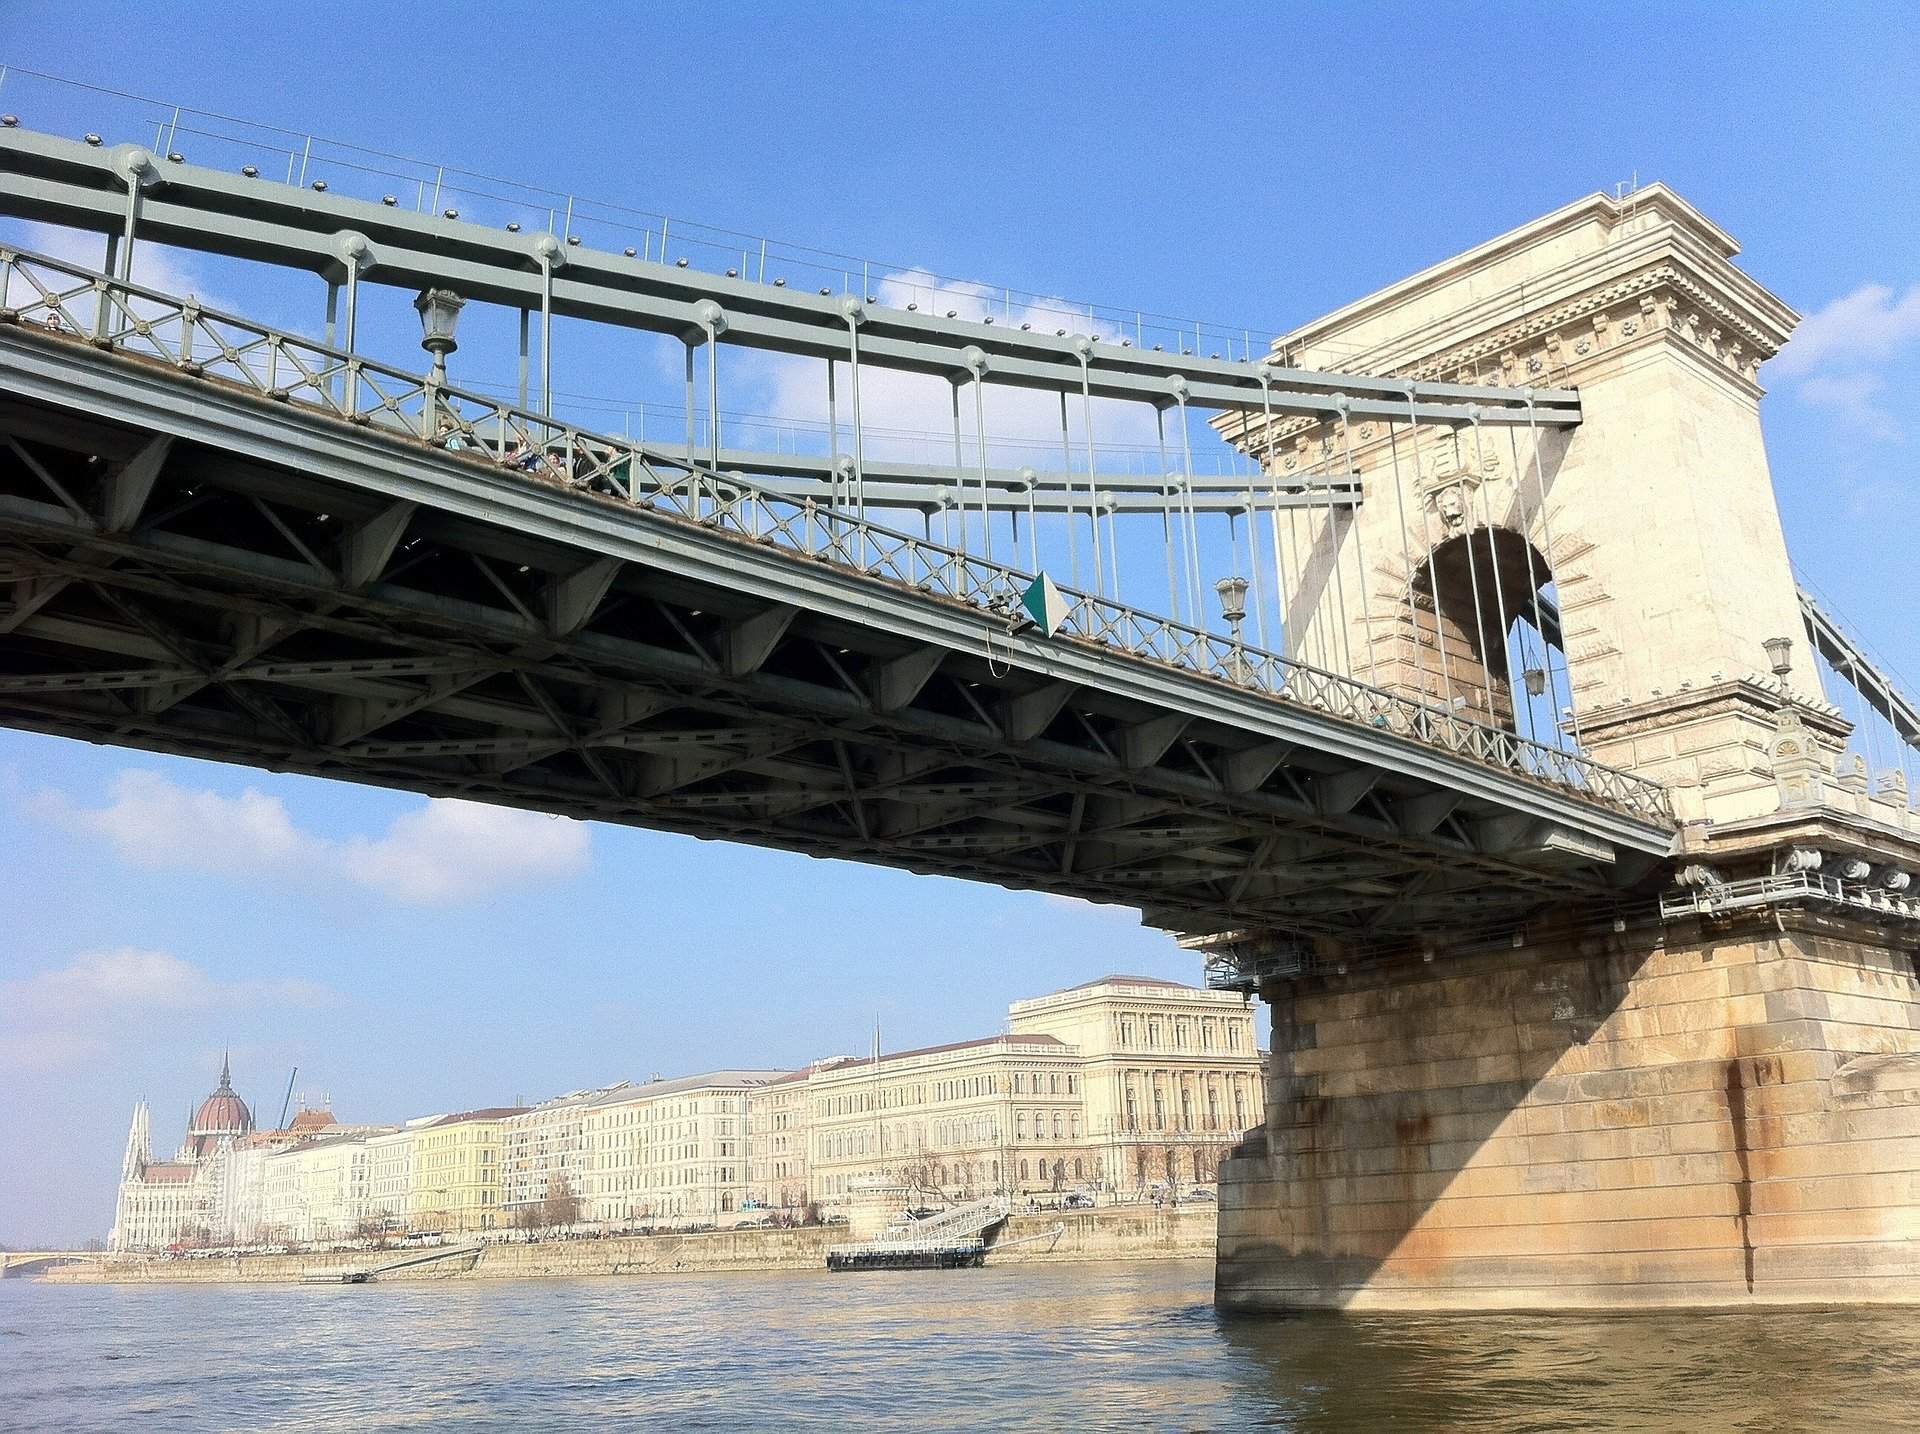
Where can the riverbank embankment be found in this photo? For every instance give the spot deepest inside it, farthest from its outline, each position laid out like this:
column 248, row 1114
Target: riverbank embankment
column 1123, row 1232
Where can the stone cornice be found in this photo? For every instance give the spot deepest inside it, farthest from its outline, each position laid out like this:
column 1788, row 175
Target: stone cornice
column 1659, row 273
column 1752, row 693
column 1652, row 223
column 1824, row 828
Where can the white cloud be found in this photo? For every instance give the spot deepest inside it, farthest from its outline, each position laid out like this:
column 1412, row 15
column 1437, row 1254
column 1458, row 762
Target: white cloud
column 908, row 417
column 1866, row 326
column 449, row 851
column 59, row 1018
column 1853, row 397
column 443, row 852
column 1835, row 358
column 154, row 265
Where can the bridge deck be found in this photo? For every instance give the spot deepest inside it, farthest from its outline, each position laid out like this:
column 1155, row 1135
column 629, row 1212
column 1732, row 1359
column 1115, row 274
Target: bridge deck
column 231, row 551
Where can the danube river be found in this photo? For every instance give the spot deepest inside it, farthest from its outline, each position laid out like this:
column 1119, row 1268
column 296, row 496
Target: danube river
column 1131, row 1347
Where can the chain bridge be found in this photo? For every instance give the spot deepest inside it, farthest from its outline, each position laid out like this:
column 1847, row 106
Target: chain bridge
column 234, row 542
column 1568, row 833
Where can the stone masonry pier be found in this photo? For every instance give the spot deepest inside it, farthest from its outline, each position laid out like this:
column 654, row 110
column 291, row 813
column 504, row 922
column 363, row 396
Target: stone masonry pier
column 1609, row 1120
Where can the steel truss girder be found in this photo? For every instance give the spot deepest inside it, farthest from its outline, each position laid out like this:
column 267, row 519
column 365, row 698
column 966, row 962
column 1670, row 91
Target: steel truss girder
column 933, row 488
column 932, row 783
column 1858, row 671
column 46, row 178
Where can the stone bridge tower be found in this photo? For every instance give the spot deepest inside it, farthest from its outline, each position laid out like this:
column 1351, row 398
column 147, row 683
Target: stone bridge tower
column 1651, row 529
column 1702, row 1095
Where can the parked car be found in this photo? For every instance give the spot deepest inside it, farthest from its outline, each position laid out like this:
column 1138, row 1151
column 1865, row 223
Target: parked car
column 1077, row 1202
column 1199, row 1192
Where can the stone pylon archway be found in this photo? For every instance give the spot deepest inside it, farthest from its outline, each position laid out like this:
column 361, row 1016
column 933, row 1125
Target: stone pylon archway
column 1656, row 515
column 1696, row 1095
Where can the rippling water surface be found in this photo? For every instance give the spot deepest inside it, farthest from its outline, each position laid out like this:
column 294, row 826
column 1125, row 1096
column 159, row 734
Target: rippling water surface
column 1134, row 1347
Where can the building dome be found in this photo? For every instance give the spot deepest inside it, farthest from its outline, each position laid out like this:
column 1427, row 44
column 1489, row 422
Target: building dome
column 222, row 1115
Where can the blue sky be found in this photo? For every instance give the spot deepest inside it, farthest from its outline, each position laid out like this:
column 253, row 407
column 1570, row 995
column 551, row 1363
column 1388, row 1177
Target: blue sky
column 1259, row 166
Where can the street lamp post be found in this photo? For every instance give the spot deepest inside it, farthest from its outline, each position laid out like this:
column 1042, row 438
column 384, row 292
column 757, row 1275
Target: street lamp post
column 439, row 313
column 1233, row 607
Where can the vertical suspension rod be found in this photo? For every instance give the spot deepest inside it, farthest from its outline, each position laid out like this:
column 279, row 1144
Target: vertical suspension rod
column 1546, row 536
column 1533, row 582
column 1359, row 556
column 1433, row 569
column 1406, row 558
column 1493, row 562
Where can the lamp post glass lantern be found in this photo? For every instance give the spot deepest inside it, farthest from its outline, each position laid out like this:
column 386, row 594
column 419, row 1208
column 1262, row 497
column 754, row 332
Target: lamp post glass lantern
column 439, row 314
column 1779, row 654
column 1233, row 607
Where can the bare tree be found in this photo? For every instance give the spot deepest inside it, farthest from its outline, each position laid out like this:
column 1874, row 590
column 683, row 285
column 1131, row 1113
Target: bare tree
column 562, row 1206
column 919, row 1174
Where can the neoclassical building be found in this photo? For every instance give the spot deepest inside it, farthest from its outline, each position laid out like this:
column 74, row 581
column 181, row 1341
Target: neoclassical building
column 1121, row 1084
column 190, row 1198
column 672, row 1150
column 1171, row 1073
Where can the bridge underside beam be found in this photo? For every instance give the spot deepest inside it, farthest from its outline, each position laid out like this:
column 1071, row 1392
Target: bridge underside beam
column 578, row 656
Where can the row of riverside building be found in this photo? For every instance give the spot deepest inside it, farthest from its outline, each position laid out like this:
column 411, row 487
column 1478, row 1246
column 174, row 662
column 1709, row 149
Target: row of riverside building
column 1125, row 1085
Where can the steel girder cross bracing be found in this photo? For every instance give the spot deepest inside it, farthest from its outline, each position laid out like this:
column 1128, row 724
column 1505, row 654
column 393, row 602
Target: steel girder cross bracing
column 200, row 570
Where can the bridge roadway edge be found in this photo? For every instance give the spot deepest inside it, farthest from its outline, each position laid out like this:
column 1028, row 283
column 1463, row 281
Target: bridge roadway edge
column 1694, row 1116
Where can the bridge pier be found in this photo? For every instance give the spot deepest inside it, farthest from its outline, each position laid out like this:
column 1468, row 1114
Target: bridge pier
column 1710, row 1113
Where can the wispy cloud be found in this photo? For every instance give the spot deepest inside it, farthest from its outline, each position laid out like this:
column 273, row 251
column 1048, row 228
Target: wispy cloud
column 58, row 1018
column 909, row 416
column 1869, row 325
column 1854, row 399
column 155, row 266
column 1837, row 360
column 442, row 853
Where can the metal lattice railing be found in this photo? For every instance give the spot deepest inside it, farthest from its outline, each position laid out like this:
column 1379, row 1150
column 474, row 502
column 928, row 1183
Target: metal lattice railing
column 128, row 319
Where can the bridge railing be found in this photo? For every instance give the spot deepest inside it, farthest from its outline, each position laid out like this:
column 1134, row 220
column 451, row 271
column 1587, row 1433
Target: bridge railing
column 144, row 323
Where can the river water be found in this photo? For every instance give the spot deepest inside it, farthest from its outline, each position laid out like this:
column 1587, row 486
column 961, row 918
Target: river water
column 1080, row 1347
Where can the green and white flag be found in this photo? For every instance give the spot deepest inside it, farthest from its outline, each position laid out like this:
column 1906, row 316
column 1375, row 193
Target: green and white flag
column 1044, row 604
